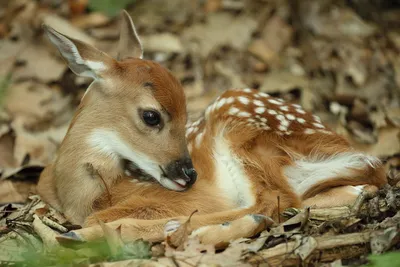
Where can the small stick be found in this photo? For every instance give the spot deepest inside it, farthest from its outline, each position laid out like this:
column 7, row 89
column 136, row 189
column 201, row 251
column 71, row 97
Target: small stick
column 53, row 224
column 279, row 209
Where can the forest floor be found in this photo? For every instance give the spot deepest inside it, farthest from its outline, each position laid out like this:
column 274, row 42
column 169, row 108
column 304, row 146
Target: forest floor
column 338, row 59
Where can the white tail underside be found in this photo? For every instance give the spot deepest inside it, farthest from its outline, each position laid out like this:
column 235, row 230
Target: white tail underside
column 308, row 172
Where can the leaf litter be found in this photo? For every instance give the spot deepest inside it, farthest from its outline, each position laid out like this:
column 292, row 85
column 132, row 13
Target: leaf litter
column 338, row 59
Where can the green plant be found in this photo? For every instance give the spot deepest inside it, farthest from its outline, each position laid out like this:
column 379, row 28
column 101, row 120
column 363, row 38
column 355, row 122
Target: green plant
column 4, row 84
column 391, row 259
column 109, row 7
column 86, row 253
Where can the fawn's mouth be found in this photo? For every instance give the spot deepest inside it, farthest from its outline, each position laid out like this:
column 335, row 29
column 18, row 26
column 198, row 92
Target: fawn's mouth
column 131, row 169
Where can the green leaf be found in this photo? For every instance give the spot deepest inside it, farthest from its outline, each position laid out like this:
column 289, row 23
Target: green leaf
column 86, row 253
column 391, row 259
column 109, row 7
column 4, row 84
column 137, row 250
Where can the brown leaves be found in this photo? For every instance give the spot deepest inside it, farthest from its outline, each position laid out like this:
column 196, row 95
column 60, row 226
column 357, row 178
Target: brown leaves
column 176, row 238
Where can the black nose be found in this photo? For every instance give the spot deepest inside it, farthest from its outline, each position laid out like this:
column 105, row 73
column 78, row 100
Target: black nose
column 182, row 169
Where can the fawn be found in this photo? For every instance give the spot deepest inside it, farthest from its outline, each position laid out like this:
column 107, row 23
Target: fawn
column 127, row 158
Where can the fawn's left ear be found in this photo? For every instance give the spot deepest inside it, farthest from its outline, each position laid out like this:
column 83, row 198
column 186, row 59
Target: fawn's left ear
column 83, row 59
column 129, row 42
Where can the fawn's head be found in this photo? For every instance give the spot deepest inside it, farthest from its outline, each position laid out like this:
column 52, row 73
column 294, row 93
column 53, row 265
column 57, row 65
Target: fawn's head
column 134, row 111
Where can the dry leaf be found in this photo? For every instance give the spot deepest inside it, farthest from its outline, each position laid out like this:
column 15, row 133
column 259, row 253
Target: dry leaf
column 64, row 26
column 163, row 42
column 37, row 62
column 221, row 29
column 15, row 192
column 305, row 245
column 335, row 22
column 385, row 240
column 178, row 238
column 113, row 238
column 45, row 104
column 47, row 235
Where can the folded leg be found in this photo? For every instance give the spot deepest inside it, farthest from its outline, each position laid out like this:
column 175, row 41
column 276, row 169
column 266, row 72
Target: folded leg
column 228, row 224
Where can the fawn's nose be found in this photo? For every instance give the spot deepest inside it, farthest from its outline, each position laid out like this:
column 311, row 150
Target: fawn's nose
column 182, row 169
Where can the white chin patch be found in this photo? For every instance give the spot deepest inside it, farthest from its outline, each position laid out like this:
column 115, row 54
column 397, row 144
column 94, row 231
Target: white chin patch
column 172, row 185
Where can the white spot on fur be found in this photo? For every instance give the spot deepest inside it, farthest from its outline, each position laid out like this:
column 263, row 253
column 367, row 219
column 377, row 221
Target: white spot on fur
column 285, row 123
column 247, row 90
column 318, row 125
column 297, row 106
column 274, row 101
column 230, row 174
column 272, row 112
column 301, row 120
column 233, row 111
column 243, row 100
column 280, row 117
column 309, row 131
column 230, row 100
column 325, row 132
column 284, row 108
column 282, row 128
column 266, row 128
column 220, row 103
column 290, row 117
column 307, row 173
column 258, row 103
column 300, row 111
column 263, row 94
column 243, row 114
column 316, row 118
column 259, row 110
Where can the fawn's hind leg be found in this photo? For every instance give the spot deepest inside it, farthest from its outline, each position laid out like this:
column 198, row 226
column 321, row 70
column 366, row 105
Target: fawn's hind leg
column 338, row 196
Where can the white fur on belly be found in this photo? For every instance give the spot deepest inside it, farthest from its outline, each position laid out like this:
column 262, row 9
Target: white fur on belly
column 231, row 177
column 308, row 172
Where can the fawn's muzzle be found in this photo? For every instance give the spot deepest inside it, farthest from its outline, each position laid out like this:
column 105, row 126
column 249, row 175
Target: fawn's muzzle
column 181, row 173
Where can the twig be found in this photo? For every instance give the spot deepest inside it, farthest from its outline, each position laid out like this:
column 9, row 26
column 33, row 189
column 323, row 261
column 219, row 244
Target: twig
column 279, row 209
column 53, row 224
column 285, row 251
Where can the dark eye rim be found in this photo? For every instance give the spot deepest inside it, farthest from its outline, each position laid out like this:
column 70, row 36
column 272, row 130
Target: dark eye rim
column 157, row 125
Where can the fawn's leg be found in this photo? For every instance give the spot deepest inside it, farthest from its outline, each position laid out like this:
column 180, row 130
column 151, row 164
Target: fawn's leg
column 328, row 161
column 136, row 207
column 153, row 230
column 338, row 196
column 46, row 188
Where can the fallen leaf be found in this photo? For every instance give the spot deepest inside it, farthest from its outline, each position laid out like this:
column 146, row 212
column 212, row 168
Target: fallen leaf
column 62, row 25
column 336, row 22
column 384, row 241
column 162, row 42
column 113, row 237
column 305, row 245
column 220, row 29
column 94, row 19
column 15, row 192
column 177, row 238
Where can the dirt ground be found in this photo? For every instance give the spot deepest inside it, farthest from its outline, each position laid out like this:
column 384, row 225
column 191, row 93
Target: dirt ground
column 338, row 59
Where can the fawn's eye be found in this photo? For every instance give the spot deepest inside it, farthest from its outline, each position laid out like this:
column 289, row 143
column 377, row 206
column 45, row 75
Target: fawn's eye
column 151, row 118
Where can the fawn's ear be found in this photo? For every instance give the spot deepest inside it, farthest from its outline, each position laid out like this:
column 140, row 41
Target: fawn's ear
column 129, row 42
column 83, row 59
